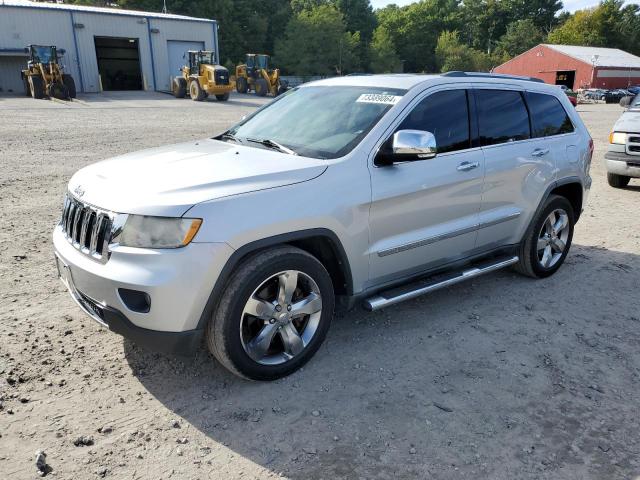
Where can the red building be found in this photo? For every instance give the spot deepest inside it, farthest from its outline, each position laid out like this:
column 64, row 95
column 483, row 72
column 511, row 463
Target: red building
column 576, row 67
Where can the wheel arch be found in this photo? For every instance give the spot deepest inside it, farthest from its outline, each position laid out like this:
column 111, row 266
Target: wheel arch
column 322, row 243
column 571, row 189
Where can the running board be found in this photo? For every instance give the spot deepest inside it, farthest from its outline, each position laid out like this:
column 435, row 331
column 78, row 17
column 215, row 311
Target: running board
column 420, row 287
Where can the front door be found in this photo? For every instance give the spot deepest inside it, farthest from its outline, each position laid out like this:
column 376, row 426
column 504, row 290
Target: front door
column 424, row 213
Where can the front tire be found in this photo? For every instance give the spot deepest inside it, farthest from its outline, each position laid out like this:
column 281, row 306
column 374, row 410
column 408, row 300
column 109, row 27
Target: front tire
column 273, row 315
column 547, row 242
column 262, row 88
column 195, row 91
column 617, row 181
column 36, row 86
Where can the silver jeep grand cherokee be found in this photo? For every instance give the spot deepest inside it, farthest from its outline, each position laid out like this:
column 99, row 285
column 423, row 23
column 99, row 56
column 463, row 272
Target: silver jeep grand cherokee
column 363, row 190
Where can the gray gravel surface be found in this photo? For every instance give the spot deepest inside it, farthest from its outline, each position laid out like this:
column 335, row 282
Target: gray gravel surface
column 501, row 378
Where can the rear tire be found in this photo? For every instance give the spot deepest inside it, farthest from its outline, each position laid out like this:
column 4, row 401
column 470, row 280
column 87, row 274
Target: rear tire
column 617, row 181
column 70, row 84
column 548, row 239
column 223, row 98
column 179, row 87
column 261, row 87
column 196, row 92
column 274, row 341
column 36, row 87
column 241, row 85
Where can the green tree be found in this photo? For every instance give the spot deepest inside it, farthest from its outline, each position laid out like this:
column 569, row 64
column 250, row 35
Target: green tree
column 543, row 13
column 583, row 28
column 316, row 42
column 383, row 55
column 452, row 54
column 521, row 35
column 414, row 30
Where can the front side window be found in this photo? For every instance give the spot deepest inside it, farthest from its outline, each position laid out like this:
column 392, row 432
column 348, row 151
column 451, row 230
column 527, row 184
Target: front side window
column 446, row 115
column 320, row 122
column 502, row 117
column 548, row 116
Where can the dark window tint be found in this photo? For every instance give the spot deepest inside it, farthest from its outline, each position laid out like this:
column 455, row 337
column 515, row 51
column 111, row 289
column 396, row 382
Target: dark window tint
column 502, row 116
column 446, row 115
column 548, row 116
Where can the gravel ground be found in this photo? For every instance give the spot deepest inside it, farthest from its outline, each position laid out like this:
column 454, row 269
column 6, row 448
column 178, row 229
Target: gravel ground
column 501, row 378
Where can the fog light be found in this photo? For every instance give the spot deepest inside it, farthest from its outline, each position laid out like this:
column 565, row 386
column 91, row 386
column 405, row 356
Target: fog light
column 135, row 300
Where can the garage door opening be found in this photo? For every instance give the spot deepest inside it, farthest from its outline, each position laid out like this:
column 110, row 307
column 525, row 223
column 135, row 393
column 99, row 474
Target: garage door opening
column 118, row 63
column 566, row 78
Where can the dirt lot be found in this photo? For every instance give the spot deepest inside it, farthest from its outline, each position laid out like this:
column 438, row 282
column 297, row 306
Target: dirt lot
column 502, row 378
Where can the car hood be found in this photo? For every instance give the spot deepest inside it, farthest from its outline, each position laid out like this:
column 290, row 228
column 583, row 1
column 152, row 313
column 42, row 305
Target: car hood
column 168, row 180
column 629, row 122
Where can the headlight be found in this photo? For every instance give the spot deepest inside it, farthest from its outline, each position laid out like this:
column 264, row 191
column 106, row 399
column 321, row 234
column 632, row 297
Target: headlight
column 618, row 138
column 157, row 232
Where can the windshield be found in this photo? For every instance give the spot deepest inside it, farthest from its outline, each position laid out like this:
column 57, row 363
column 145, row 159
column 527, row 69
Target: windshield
column 206, row 58
column 43, row 54
column 319, row 122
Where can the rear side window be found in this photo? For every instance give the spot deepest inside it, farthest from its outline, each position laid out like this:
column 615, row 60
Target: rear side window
column 548, row 116
column 446, row 115
column 502, row 116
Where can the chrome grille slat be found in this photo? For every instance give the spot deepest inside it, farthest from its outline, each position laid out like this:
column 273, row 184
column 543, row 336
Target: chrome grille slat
column 87, row 228
column 94, row 232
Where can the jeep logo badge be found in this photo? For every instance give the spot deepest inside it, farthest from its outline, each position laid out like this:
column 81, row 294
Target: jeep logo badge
column 78, row 191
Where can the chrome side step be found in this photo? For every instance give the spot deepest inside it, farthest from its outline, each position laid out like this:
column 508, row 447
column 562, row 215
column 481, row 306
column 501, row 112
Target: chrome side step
column 420, row 287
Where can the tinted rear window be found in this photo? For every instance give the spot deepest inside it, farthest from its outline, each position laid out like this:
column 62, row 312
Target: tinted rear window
column 446, row 115
column 502, row 116
column 548, row 116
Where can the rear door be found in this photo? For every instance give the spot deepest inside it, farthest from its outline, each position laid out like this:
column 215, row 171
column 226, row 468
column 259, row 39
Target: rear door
column 518, row 166
column 424, row 213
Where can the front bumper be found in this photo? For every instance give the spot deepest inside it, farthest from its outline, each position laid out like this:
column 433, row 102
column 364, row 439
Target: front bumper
column 177, row 281
column 621, row 163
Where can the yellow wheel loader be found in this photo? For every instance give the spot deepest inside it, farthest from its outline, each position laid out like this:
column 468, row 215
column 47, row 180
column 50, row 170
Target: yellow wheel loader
column 44, row 76
column 203, row 77
column 255, row 75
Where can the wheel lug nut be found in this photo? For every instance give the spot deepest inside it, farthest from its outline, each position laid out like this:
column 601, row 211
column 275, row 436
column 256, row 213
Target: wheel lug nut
column 288, row 308
column 278, row 308
column 272, row 321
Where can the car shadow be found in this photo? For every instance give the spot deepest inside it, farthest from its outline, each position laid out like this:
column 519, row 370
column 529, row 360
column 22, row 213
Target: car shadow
column 471, row 379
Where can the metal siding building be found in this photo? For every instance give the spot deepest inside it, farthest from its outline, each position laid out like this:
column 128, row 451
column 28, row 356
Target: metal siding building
column 576, row 67
column 97, row 41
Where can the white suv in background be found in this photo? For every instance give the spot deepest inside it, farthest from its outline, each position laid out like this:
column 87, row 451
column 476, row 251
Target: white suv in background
column 622, row 159
column 364, row 190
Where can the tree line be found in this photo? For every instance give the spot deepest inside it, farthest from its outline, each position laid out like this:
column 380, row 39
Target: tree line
column 334, row 37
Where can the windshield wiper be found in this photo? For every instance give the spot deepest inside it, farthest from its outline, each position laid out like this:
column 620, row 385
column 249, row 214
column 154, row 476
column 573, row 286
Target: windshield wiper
column 229, row 136
column 272, row 145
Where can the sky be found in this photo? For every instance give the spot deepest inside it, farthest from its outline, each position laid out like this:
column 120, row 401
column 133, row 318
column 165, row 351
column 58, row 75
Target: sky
column 571, row 5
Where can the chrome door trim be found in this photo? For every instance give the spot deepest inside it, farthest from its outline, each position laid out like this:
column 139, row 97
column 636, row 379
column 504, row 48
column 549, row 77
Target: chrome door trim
column 447, row 235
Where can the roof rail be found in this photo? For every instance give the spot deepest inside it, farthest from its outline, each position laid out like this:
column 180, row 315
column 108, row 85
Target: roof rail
column 491, row 75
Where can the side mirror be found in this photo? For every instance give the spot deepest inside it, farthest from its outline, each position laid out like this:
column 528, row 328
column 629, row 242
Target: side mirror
column 407, row 145
column 625, row 101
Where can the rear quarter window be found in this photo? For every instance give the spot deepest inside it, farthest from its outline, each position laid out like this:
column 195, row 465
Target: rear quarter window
column 548, row 116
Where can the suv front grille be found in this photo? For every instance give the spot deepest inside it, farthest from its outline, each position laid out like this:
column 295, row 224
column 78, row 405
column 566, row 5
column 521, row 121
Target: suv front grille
column 633, row 145
column 87, row 228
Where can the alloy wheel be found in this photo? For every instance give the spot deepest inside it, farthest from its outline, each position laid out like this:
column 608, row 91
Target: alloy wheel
column 281, row 317
column 552, row 238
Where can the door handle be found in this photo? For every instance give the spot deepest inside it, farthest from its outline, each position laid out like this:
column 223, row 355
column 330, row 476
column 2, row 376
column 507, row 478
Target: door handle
column 540, row 152
column 466, row 166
